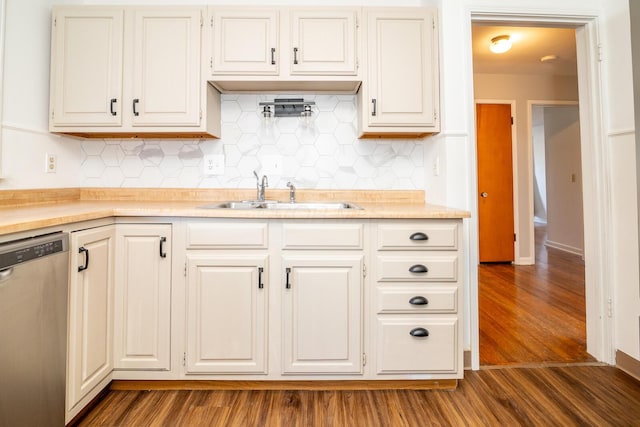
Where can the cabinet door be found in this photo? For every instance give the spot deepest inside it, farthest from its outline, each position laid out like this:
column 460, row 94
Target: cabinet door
column 166, row 67
column 402, row 68
column 323, row 42
column 322, row 314
column 86, row 67
column 142, row 321
column 90, row 353
column 226, row 313
column 245, row 41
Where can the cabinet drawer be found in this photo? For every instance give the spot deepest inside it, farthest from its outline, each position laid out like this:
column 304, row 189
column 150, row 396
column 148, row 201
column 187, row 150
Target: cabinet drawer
column 418, row 300
column 322, row 236
column 436, row 235
column 415, row 268
column 399, row 351
column 227, row 235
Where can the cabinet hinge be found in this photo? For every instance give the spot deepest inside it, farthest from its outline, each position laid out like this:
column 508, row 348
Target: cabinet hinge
column 435, row 115
column 52, row 114
column 55, row 21
column 201, row 20
column 185, row 269
column 201, row 114
column 515, row 237
column 184, row 359
column 364, row 270
column 364, row 359
column 211, row 62
column 512, row 120
column 610, row 307
column 211, row 23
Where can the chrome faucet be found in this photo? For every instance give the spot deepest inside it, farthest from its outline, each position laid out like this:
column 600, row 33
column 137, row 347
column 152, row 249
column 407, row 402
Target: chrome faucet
column 261, row 186
column 292, row 192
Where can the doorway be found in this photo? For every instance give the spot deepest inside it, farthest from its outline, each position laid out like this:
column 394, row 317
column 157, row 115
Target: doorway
column 520, row 318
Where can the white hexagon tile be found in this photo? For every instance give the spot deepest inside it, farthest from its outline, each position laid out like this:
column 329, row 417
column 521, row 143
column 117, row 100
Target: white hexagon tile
column 321, row 153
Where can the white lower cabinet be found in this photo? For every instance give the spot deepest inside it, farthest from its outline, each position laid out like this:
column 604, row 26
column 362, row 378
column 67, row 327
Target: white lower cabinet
column 418, row 295
column 247, row 299
column 322, row 314
column 142, row 321
column 416, row 344
column 90, row 326
column 226, row 313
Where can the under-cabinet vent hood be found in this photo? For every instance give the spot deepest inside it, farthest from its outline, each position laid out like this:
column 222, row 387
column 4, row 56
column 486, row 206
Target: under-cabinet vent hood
column 287, row 86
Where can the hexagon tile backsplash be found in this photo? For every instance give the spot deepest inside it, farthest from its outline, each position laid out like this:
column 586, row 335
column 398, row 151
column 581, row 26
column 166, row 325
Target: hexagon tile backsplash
column 323, row 153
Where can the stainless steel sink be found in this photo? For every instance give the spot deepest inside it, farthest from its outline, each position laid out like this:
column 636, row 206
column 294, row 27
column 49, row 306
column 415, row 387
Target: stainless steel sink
column 254, row 204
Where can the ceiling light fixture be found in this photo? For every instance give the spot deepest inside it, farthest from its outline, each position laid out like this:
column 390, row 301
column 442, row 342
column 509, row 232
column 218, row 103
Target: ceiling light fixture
column 549, row 58
column 500, row 44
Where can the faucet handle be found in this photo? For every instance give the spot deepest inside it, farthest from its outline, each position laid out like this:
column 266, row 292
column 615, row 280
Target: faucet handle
column 292, row 192
column 256, row 175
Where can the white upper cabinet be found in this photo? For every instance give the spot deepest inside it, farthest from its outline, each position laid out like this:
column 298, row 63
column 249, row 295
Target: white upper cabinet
column 278, row 48
column 245, row 41
column 86, row 84
column 323, row 41
column 130, row 71
column 166, row 67
column 401, row 93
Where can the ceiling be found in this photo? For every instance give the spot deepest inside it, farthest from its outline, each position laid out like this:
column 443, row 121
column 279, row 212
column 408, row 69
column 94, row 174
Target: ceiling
column 529, row 45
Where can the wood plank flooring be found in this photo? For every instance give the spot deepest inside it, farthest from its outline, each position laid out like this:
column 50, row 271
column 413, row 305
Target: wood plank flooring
column 549, row 396
column 533, row 314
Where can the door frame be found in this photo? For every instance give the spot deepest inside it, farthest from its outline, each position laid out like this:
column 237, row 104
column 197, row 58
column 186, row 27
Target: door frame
column 514, row 165
column 596, row 175
column 530, row 172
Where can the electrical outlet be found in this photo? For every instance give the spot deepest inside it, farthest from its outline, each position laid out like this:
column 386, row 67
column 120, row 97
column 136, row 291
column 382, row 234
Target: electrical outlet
column 272, row 165
column 51, row 163
column 213, row 164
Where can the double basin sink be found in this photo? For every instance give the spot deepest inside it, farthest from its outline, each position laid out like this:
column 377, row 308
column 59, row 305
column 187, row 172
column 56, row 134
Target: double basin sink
column 276, row 205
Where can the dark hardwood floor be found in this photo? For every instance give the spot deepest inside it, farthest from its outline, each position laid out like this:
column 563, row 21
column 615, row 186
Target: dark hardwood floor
column 533, row 314
column 549, row 396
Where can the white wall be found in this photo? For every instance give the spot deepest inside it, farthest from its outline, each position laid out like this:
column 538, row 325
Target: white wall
column 565, row 222
column 25, row 139
column 539, row 165
column 620, row 140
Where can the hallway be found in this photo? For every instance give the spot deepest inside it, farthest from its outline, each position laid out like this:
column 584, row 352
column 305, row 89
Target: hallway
column 533, row 314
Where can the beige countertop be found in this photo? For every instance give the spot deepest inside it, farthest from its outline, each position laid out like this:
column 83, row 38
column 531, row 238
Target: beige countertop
column 23, row 210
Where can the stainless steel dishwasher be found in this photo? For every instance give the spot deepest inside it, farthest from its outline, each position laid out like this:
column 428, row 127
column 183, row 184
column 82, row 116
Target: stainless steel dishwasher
column 33, row 330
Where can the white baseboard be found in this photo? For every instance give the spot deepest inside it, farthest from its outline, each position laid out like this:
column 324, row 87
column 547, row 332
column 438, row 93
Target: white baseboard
column 563, row 247
column 524, row 261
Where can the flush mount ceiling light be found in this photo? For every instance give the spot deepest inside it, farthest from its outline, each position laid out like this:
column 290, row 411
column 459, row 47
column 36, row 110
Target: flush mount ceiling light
column 549, row 58
column 500, row 44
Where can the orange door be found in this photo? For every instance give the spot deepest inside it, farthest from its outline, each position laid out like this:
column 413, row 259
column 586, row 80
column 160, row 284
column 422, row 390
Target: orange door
column 495, row 182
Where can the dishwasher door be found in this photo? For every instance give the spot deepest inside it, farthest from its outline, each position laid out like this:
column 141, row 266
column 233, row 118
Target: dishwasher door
column 33, row 330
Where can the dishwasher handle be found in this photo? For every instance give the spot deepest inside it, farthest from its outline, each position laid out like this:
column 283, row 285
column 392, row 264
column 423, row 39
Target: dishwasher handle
column 6, row 274
column 86, row 258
